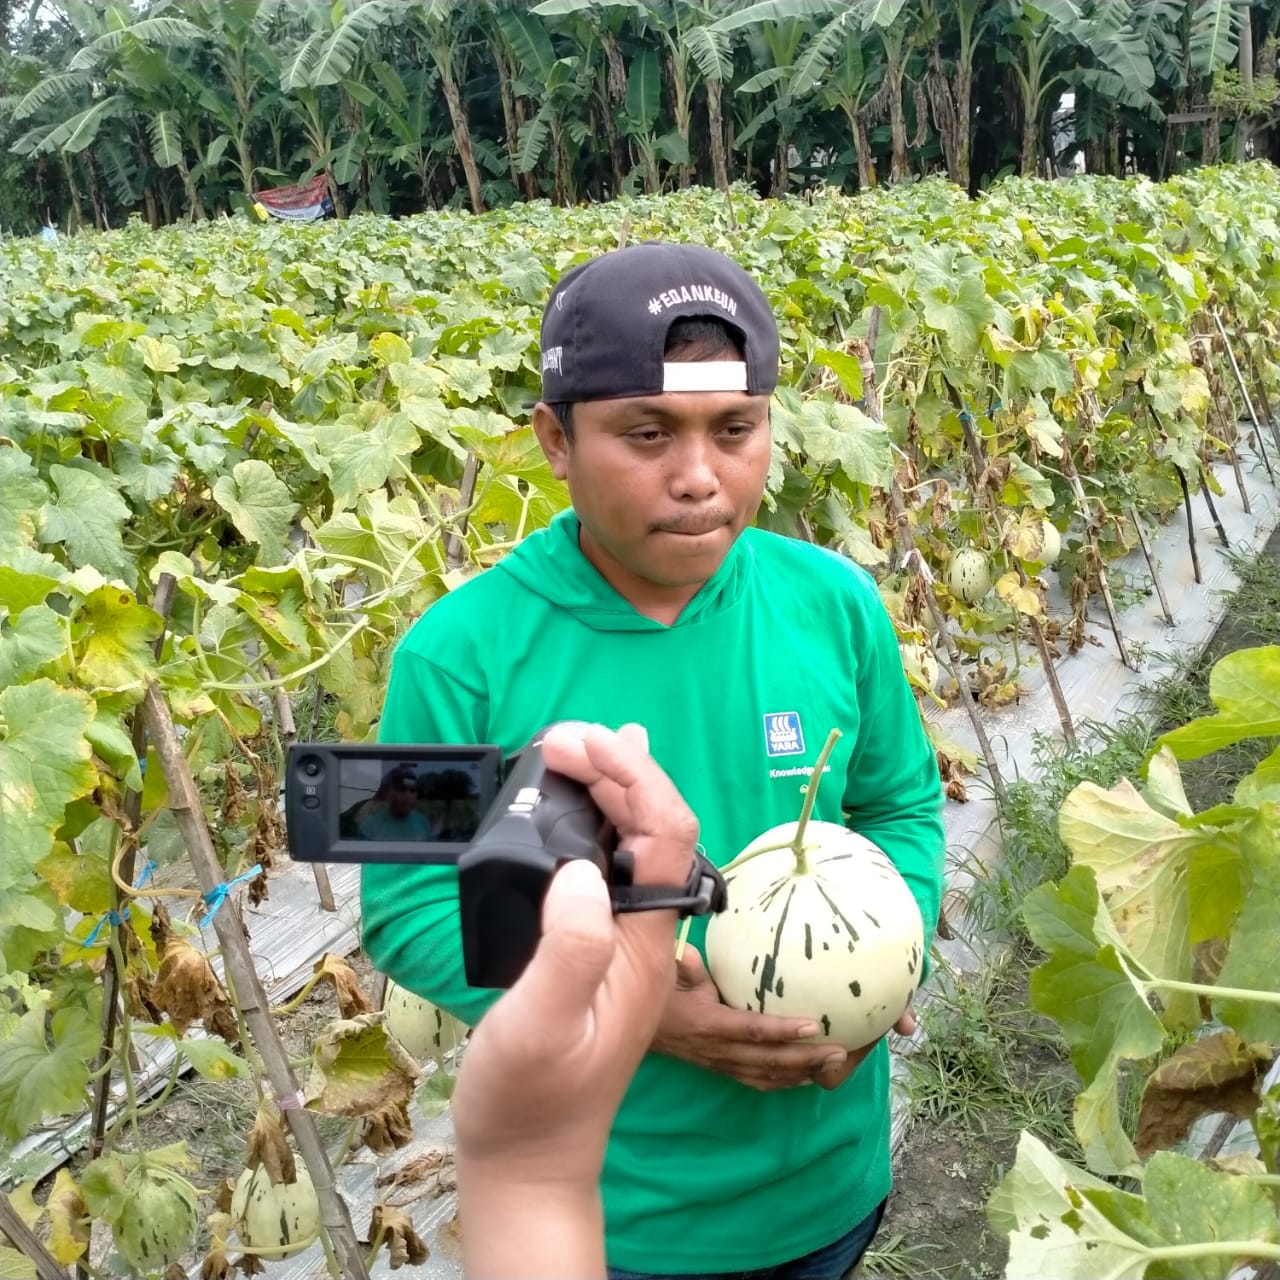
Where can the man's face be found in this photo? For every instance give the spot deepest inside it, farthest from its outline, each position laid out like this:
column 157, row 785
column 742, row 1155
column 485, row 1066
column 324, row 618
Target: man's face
column 404, row 795
column 663, row 485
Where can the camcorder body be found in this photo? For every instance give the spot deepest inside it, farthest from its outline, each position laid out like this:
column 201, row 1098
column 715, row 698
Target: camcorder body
column 507, row 823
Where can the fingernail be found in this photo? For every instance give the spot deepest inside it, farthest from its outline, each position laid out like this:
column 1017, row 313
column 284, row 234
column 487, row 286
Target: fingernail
column 808, row 1029
column 833, row 1063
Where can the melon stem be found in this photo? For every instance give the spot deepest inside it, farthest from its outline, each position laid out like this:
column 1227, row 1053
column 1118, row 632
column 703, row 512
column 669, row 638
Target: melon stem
column 810, row 795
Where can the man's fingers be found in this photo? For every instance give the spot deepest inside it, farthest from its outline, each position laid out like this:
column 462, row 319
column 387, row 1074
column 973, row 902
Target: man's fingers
column 906, row 1025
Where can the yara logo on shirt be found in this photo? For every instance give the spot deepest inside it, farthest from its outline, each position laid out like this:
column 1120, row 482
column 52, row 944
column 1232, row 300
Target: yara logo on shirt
column 783, row 735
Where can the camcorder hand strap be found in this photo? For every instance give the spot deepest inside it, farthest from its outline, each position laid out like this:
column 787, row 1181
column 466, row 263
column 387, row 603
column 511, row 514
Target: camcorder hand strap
column 704, row 892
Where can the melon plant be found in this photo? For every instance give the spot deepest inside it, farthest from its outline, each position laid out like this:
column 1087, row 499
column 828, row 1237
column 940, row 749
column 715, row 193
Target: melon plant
column 278, row 1218
column 158, row 1221
column 424, row 1029
column 919, row 662
column 820, row 925
column 969, row 575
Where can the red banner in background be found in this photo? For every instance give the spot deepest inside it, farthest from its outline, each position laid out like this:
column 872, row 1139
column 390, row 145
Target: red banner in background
column 300, row 202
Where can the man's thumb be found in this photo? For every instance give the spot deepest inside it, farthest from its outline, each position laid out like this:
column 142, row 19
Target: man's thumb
column 577, row 942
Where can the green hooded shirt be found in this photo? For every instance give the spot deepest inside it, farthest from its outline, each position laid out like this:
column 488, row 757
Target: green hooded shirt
column 785, row 642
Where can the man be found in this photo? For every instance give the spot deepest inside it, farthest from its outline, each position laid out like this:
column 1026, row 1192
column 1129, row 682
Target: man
column 744, row 1142
column 394, row 814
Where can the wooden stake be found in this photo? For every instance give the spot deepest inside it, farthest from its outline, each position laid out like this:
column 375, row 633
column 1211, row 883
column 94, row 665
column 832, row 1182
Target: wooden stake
column 455, row 547
column 288, row 734
column 1263, row 399
column 161, row 602
column 184, row 800
column 1050, row 672
column 1244, row 390
column 1230, row 429
column 28, row 1242
column 1091, row 536
column 1213, row 511
column 1151, row 564
column 915, row 561
column 1191, row 524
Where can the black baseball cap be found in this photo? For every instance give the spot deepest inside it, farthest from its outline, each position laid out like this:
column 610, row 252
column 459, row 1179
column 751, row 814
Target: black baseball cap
column 605, row 325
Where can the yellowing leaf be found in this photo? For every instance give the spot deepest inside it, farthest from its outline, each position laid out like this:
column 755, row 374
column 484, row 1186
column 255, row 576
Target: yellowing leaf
column 356, row 1068
column 1010, row 589
column 159, row 354
column 44, row 765
column 390, row 348
column 68, row 1222
column 113, row 635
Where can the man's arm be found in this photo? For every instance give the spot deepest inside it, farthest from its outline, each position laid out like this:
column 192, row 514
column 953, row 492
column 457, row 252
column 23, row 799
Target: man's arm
column 894, row 795
column 410, row 924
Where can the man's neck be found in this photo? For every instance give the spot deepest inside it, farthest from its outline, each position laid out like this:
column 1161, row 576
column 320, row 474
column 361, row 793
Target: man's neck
column 649, row 599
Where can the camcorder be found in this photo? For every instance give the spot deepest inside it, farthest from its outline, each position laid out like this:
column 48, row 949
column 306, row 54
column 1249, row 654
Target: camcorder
column 507, row 823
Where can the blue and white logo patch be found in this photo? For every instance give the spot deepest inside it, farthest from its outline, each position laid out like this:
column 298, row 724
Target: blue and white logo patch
column 783, row 735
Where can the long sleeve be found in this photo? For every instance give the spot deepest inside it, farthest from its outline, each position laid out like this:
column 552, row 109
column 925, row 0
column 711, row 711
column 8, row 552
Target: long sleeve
column 894, row 795
column 410, row 919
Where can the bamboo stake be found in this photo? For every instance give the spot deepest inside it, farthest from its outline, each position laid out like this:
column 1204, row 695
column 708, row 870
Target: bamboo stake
column 1151, row 564
column 184, row 800
column 455, row 547
column 1050, row 672
column 1244, row 390
column 915, row 561
column 161, row 602
column 1208, row 502
column 979, row 459
column 28, row 1242
column 1230, row 428
column 1272, row 421
column 1091, row 535
column 288, row 734
column 1191, row 524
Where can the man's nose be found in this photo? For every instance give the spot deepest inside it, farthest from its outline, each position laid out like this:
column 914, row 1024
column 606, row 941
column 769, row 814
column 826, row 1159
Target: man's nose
column 695, row 474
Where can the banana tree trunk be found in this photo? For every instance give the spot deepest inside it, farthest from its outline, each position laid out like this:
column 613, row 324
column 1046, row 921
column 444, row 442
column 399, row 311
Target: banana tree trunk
column 194, row 203
column 715, row 117
column 95, row 194
column 945, row 111
column 900, row 168
column 782, row 168
column 861, row 147
column 508, row 112
column 461, row 130
column 964, row 125
column 615, row 96
column 528, row 184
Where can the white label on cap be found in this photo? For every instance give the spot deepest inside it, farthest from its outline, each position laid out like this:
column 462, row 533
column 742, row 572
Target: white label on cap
column 705, row 375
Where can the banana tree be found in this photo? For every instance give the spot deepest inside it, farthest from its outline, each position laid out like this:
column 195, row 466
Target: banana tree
column 850, row 81
column 951, row 92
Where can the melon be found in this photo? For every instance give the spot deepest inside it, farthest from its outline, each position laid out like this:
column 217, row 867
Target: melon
column 158, row 1221
column 282, row 1217
column 969, row 575
column 424, row 1029
column 1052, row 548
column 820, row 925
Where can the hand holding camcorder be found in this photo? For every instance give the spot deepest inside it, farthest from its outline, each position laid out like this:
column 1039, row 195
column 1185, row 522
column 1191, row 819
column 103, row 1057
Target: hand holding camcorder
column 507, row 825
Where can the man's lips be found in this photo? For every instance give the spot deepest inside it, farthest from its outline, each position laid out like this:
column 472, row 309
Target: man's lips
column 693, row 527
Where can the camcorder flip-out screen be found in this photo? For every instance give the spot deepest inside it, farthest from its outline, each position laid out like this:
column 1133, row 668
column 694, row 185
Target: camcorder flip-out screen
column 506, row 823
column 370, row 802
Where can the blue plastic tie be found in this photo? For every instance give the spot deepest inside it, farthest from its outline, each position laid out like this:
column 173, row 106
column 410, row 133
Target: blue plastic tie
column 113, row 918
column 145, row 874
column 218, row 894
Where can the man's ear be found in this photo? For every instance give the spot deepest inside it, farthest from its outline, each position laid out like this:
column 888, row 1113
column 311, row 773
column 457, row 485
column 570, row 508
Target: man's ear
column 551, row 436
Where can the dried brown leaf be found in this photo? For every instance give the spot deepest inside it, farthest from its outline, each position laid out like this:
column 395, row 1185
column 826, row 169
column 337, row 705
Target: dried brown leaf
column 249, row 1264
column 234, row 800
column 388, row 1129
column 431, row 1167
column 1220, row 1073
column 402, row 1242
column 267, row 1147
column 217, row 1266
column 175, row 1271
column 188, row 990
column 222, row 1197
column 351, row 995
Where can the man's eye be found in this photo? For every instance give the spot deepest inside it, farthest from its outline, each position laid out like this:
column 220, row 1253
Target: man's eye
column 739, row 430
column 645, row 435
